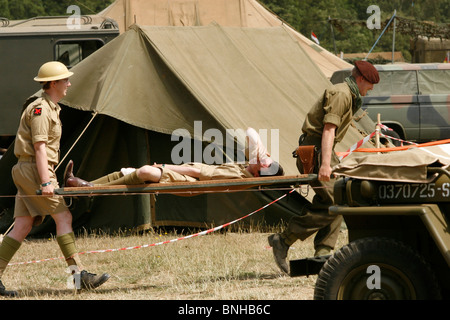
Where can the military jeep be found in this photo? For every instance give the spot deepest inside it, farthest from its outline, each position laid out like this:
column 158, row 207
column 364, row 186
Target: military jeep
column 399, row 241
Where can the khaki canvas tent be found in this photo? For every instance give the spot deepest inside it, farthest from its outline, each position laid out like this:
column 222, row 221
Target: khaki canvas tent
column 129, row 97
column 230, row 13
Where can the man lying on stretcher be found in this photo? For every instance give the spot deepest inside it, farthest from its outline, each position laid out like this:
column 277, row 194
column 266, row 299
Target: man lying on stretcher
column 260, row 164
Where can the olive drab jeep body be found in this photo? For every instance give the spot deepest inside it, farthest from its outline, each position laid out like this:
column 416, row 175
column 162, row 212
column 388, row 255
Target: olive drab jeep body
column 400, row 230
column 396, row 207
column 412, row 99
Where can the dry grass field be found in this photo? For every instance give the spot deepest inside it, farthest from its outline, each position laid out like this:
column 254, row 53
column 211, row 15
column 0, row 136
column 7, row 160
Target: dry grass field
column 225, row 265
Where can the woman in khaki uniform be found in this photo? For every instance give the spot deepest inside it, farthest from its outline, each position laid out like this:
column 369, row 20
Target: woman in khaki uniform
column 37, row 149
column 325, row 125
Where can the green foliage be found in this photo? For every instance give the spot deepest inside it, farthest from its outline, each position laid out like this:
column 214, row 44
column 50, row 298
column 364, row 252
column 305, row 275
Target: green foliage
column 11, row 9
column 24, row 9
column 312, row 15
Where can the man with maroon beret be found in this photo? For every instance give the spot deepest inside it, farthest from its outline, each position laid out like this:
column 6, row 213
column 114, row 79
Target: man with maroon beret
column 325, row 125
column 368, row 71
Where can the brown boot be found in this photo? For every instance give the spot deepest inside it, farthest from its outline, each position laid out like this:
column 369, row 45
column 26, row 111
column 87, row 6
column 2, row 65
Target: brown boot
column 71, row 181
column 322, row 251
column 280, row 251
column 68, row 172
column 77, row 182
column 91, row 281
column 7, row 293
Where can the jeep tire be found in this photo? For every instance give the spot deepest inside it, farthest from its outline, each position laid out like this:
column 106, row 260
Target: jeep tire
column 350, row 273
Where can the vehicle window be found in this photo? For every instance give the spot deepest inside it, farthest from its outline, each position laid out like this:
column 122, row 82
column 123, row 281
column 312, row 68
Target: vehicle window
column 73, row 51
column 434, row 81
column 396, row 82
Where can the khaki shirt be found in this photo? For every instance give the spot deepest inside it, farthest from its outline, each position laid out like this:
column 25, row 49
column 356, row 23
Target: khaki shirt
column 39, row 123
column 335, row 107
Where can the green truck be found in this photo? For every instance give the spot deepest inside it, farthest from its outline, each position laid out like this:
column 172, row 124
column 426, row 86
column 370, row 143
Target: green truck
column 26, row 44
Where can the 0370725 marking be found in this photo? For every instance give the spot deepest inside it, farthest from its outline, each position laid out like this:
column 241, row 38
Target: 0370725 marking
column 414, row 191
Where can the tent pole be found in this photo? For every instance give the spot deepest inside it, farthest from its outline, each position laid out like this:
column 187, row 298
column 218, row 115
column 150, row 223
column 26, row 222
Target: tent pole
column 76, row 141
column 3, row 235
column 385, row 28
column 393, row 39
column 377, row 134
column 332, row 33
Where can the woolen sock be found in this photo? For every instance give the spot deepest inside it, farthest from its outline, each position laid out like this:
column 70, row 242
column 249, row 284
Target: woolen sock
column 8, row 248
column 129, row 179
column 108, row 179
column 66, row 243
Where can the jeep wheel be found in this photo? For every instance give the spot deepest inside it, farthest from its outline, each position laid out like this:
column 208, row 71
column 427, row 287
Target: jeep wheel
column 376, row 269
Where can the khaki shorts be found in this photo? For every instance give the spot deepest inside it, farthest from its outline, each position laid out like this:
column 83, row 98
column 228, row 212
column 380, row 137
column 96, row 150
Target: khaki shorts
column 27, row 181
column 168, row 176
column 207, row 172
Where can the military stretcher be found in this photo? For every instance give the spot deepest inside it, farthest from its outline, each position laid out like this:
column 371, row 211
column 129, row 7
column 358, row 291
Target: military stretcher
column 191, row 188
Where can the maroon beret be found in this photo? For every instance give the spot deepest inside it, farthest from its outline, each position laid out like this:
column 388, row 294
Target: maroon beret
column 368, row 71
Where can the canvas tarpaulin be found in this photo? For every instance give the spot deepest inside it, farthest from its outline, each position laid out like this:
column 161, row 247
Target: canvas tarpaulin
column 150, row 81
column 232, row 78
column 403, row 166
column 228, row 13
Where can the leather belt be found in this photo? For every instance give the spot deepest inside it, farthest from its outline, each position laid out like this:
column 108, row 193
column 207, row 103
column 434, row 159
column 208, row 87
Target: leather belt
column 27, row 159
column 33, row 160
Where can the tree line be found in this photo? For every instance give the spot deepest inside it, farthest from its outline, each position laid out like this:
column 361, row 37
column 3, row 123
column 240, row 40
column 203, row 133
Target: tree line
column 24, row 9
column 308, row 16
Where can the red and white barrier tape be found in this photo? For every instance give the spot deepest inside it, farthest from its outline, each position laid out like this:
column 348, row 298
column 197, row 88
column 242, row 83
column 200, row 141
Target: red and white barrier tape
column 385, row 127
column 164, row 242
column 398, row 139
column 356, row 146
column 367, row 138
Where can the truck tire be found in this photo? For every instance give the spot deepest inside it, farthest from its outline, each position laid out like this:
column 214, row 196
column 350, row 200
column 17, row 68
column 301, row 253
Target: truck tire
column 376, row 269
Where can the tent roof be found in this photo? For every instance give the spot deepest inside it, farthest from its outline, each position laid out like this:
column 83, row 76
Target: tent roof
column 165, row 78
column 231, row 13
